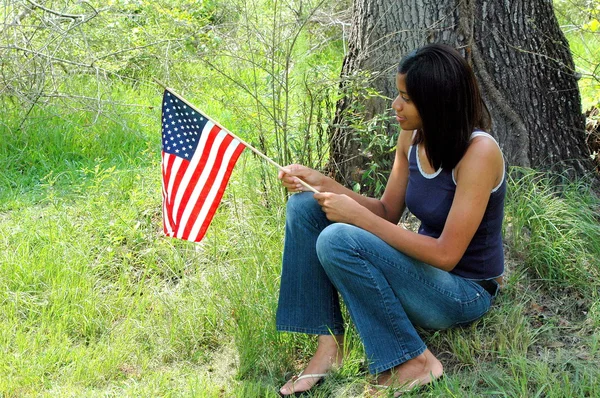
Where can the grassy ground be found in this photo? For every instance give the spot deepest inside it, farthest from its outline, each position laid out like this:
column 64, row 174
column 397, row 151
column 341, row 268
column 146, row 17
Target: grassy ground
column 96, row 302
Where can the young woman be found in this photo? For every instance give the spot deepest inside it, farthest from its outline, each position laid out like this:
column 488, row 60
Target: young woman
column 450, row 174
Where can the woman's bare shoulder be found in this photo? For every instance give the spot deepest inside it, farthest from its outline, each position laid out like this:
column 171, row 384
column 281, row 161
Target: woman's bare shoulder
column 483, row 154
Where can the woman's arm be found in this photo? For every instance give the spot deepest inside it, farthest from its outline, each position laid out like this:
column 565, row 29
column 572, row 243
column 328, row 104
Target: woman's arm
column 389, row 207
column 479, row 171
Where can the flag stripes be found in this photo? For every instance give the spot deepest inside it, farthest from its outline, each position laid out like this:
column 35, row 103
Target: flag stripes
column 197, row 160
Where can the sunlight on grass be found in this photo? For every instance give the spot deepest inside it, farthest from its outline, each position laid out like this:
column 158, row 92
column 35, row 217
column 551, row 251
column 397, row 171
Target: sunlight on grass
column 556, row 228
column 96, row 302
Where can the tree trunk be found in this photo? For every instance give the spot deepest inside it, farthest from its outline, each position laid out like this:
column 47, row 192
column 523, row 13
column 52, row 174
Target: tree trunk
column 519, row 55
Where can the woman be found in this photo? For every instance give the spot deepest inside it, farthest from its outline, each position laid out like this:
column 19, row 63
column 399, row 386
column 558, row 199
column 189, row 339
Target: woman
column 450, row 175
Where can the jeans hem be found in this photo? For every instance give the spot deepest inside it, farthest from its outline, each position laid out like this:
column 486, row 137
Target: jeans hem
column 319, row 331
column 406, row 357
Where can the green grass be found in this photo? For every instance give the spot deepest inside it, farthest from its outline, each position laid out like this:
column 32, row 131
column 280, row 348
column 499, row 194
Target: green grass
column 96, row 302
column 556, row 228
column 579, row 22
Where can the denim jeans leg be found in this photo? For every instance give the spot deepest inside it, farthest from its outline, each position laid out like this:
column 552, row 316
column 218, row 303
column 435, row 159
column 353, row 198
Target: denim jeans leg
column 387, row 293
column 308, row 301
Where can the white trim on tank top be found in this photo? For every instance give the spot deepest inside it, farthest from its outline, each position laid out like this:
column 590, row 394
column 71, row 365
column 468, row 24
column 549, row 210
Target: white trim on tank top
column 435, row 174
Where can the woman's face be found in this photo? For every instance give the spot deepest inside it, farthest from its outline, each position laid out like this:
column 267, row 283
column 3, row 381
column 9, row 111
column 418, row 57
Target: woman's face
column 406, row 111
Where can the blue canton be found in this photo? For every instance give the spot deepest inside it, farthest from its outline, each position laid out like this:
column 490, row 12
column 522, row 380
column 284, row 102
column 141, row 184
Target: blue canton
column 181, row 127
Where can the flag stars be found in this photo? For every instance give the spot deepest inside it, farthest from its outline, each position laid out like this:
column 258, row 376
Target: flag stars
column 180, row 127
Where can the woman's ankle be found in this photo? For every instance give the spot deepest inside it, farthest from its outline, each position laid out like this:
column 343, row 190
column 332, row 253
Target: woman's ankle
column 425, row 368
column 331, row 349
column 329, row 354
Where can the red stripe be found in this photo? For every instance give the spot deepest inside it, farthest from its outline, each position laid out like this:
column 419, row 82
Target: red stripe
column 166, row 171
column 173, row 194
column 207, row 187
column 215, row 204
column 198, row 171
column 177, row 179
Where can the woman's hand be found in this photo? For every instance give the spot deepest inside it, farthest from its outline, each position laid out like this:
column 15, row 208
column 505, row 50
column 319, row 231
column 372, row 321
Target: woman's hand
column 341, row 208
column 294, row 172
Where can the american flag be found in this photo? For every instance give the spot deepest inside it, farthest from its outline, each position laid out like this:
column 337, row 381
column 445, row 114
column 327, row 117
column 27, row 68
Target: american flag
column 198, row 157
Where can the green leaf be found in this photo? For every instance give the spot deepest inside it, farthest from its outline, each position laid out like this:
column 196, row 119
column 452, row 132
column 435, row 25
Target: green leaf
column 592, row 26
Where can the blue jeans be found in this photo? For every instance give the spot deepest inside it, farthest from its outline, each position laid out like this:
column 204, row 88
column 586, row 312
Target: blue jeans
column 386, row 292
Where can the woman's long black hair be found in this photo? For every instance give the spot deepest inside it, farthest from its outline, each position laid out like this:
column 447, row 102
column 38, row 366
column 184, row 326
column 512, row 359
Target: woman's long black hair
column 444, row 90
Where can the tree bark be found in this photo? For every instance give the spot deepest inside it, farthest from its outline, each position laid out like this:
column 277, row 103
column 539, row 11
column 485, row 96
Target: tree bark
column 520, row 57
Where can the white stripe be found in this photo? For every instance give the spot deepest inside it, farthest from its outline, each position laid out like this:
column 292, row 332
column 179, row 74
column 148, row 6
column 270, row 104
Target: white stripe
column 174, row 169
column 164, row 162
column 192, row 166
column 191, row 204
column 214, row 189
column 163, row 167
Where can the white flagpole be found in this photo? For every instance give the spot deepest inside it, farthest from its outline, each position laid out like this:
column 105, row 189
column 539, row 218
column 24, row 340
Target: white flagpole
column 233, row 135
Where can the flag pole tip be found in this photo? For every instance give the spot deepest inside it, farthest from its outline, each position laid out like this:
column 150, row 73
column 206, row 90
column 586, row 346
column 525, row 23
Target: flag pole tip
column 159, row 82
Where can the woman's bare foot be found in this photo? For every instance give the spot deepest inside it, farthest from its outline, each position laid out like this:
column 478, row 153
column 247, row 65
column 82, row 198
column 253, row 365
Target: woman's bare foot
column 329, row 354
column 413, row 373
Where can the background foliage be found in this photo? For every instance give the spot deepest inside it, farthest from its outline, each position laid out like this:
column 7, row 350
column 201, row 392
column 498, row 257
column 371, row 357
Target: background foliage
column 96, row 302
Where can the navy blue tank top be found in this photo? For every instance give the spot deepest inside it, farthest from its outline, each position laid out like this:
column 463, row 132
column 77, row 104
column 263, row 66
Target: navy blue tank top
column 429, row 197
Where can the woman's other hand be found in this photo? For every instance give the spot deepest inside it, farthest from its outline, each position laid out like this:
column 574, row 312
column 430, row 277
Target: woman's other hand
column 291, row 175
column 341, row 208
